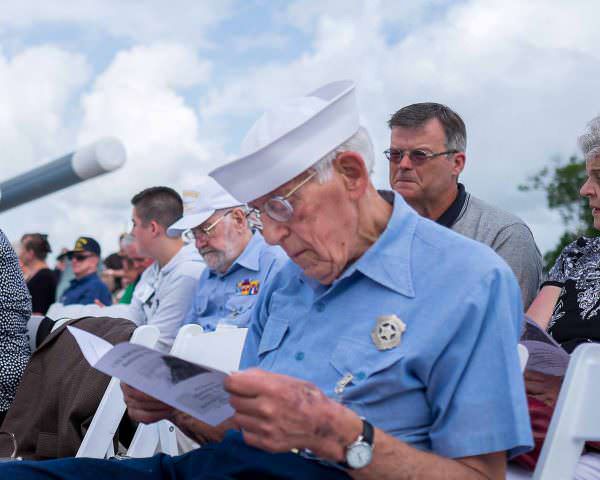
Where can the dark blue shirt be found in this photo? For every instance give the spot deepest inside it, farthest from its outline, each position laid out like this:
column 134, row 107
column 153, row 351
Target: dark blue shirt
column 85, row 290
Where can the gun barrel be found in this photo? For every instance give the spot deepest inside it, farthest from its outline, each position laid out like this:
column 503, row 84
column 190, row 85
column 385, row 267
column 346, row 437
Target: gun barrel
column 100, row 157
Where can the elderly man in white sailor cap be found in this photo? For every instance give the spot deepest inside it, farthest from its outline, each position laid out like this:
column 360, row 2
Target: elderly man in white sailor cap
column 365, row 356
column 239, row 261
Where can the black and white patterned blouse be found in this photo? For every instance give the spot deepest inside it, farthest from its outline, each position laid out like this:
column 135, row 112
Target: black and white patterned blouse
column 576, row 316
column 15, row 310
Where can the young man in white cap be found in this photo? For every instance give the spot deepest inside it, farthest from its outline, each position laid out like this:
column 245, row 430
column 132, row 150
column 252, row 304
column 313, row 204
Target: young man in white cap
column 239, row 261
column 165, row 290
column 364, row 355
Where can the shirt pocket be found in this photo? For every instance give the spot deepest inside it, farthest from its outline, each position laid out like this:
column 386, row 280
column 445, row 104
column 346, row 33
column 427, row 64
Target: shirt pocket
column 238, row 305
column 364, row 371
column 270, row 341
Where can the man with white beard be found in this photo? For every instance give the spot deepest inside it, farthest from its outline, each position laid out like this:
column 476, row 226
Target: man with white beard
column 239, row 261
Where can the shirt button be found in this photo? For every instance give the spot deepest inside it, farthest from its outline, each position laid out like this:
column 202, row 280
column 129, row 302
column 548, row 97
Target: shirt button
column 320, row 306
column 299, row 356
column 360, row 376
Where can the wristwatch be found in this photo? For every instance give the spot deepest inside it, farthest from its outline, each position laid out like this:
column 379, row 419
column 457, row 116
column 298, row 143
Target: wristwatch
column 360, row 452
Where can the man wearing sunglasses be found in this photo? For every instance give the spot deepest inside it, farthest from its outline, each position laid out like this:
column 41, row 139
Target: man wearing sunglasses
column 86, row 287
column 427, row 155
column 239, row 261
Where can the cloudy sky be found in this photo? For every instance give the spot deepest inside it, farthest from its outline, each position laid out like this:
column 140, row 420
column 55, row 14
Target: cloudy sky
column 180, row 82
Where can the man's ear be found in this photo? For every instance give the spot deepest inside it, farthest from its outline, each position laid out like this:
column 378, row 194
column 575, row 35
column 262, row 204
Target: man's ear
column 351, row 166
column 239, row 217
column 458, row 163
column 155, row 228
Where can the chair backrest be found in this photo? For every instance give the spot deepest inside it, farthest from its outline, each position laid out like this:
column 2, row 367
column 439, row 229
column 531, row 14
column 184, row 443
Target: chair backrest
column 221, row 349
column 97, row 442
column 32, row 327
column 523, row 356
column 576, row 416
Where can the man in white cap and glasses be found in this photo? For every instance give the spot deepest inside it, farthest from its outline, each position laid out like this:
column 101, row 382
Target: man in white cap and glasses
column 239, row 261
column 365, row 357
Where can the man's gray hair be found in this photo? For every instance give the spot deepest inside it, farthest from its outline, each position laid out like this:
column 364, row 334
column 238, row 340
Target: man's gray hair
column 589, row 142
column 360, row 143
column 418, row 114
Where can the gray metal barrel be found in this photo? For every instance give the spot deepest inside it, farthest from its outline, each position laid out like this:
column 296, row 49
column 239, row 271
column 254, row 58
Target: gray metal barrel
column 101, row 157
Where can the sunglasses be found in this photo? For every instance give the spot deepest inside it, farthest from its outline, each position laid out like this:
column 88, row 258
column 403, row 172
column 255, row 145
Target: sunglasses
column 80, row 257
column 417, row 157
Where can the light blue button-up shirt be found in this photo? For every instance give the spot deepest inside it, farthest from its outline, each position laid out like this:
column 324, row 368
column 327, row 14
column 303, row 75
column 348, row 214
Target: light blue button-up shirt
column 453, row 385
column 229, row 297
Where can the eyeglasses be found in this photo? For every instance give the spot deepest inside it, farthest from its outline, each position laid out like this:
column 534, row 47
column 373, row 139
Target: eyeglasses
column 197, row 233
column 80, row 257
column 417, row 157
column 279, row 207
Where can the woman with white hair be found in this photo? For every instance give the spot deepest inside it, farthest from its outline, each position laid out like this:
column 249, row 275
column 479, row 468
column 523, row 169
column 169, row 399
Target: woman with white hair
column 568, row 304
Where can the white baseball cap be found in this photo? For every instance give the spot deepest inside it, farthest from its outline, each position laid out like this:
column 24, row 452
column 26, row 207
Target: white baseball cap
column 290, row 138
column 199, row 203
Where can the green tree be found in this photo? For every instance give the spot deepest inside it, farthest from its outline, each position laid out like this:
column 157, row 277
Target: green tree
column 562, row 182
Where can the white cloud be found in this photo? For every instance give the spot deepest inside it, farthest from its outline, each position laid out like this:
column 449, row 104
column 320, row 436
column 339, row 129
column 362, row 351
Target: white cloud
column 185, row 21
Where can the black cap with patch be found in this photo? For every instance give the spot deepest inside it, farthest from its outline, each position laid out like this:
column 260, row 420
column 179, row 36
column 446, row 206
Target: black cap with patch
column 83, row 244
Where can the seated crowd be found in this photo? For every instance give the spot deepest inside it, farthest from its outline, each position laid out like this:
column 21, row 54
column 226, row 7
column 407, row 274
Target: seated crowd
column 364, row 357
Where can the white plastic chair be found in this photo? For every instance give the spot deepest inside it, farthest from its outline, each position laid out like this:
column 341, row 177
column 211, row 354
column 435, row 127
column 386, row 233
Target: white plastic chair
column 221, row 349
column 98, row 440
column 576, row 417
column 523, row 356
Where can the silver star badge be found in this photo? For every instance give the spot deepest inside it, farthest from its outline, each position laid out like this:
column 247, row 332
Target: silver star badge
column 387, row 332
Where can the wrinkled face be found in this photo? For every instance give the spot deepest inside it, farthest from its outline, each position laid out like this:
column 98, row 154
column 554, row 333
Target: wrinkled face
column 319, row 236
column 591, row 188
column 219, row 249
column 135, row 263
column 142, row 233
column 84, row 263
column 423, row 184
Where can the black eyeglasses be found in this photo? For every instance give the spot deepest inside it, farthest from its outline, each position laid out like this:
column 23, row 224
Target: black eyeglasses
column 80, row 257
column 417, row 157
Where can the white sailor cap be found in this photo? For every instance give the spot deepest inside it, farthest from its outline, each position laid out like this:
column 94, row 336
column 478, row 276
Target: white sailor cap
column 199, row 203
column 290, row 138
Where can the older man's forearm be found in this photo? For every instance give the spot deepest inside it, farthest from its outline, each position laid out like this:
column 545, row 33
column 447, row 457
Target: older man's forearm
column 396, row 460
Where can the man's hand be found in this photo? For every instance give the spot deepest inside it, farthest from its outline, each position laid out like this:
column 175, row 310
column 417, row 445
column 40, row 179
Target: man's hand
column 99, row 303
column 144, row 408
column 199, row 431
column 543, row 387
column 278, row 413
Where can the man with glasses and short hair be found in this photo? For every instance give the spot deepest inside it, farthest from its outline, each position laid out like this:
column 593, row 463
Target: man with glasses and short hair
column 238, row 259
column 86, row 287
column 426, row 155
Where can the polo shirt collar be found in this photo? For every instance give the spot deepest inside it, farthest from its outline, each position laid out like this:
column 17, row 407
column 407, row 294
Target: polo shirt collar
column 388, row 260
column 87, row 278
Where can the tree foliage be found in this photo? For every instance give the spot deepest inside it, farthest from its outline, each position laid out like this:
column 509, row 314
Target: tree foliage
column 561, row 182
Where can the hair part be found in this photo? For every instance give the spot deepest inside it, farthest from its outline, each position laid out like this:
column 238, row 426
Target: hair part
column 37, row 243
column 418, row 114
column 589, row 142
column 360, row 143
column 161, row 204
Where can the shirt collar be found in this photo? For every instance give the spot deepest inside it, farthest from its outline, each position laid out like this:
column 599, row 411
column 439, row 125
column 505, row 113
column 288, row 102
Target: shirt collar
column 388, row 260
column 448, row 218
column 88, row 277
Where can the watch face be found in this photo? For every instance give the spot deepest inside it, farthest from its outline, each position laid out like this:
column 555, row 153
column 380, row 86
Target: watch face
column 359, row 455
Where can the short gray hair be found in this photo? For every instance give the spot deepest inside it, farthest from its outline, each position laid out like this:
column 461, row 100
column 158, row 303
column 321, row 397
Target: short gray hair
column 360, row 142
column 589, row 142
column 418, row 114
